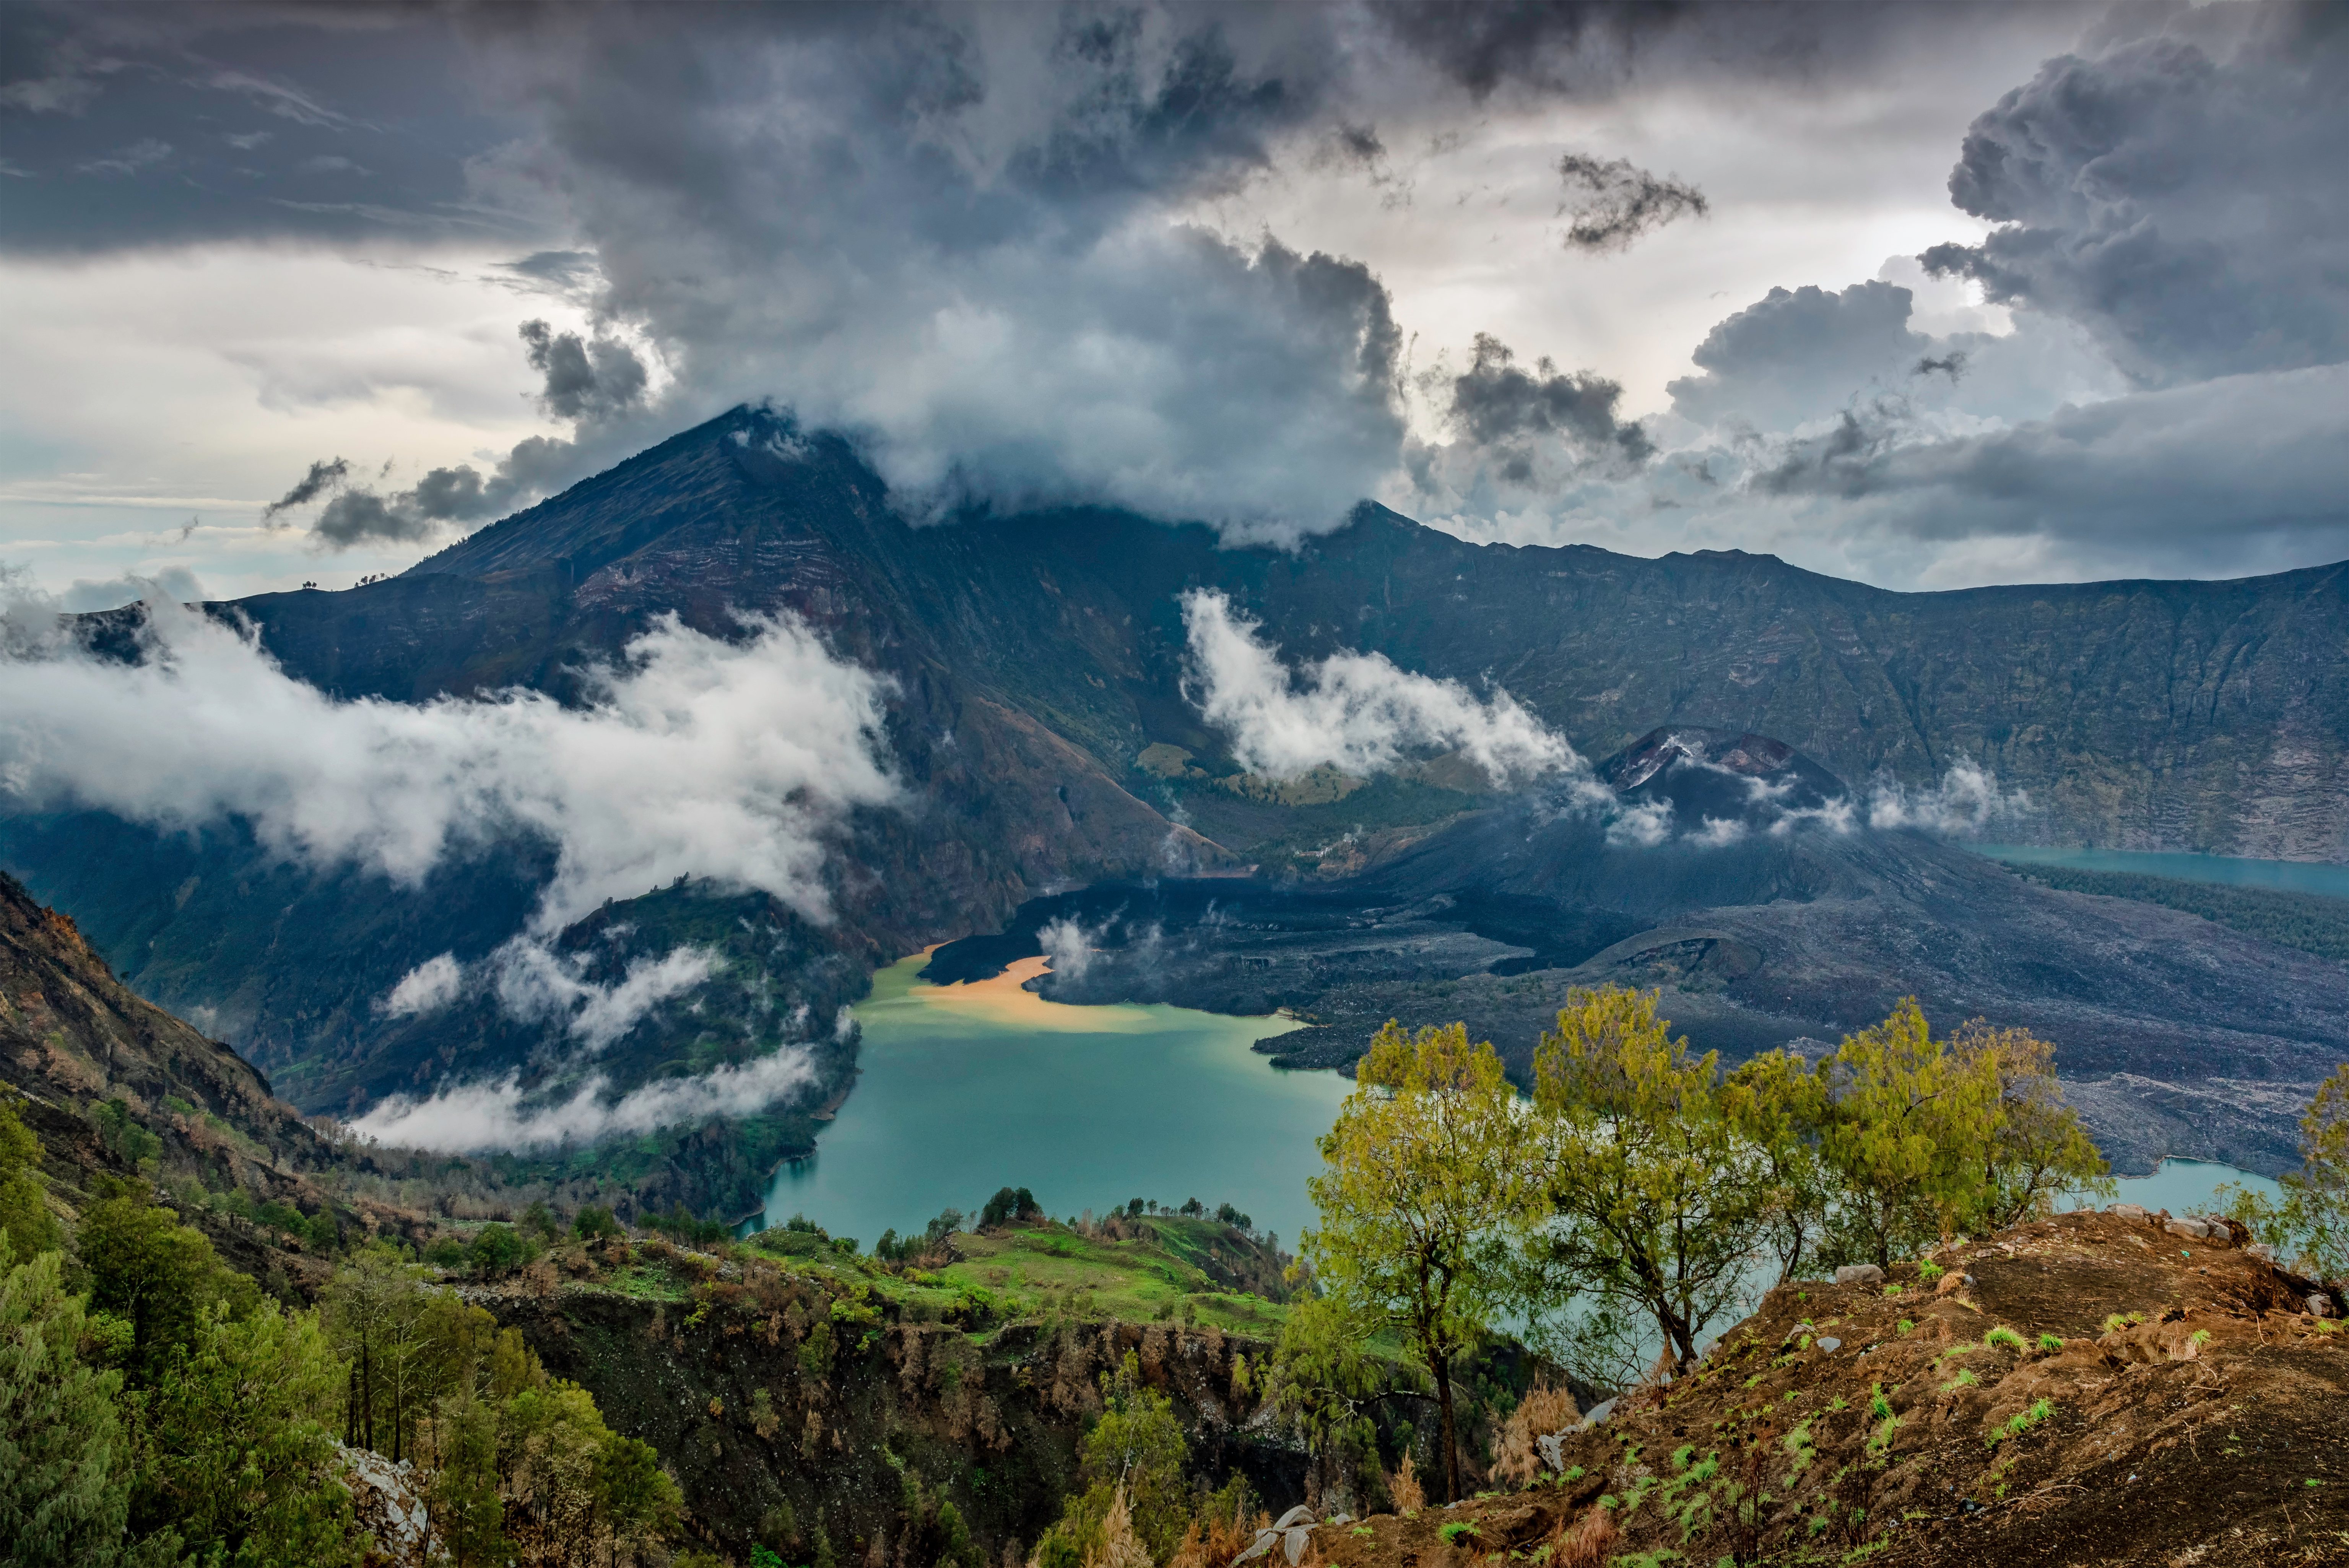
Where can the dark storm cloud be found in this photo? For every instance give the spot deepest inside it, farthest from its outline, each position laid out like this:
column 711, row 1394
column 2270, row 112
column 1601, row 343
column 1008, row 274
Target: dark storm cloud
column 139, row 125
column 1798, row 352
column 947, row 230
column 2179, row 193
column 586, row 378
column 1496, row 405
column 1613, row 203
column 1592, row 48
column 323, row 476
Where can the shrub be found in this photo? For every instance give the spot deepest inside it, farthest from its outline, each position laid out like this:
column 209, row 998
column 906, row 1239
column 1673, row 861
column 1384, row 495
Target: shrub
column 2002, row 1336
column 497, row 1250
column 2050, row 1342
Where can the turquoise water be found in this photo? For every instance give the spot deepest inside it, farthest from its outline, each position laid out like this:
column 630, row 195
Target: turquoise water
column 967, row 1089
column 2188, row 1186
column 2288, row 876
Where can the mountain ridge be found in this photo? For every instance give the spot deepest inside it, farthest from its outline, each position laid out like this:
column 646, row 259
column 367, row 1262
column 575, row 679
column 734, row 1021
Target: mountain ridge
column 1031, row 659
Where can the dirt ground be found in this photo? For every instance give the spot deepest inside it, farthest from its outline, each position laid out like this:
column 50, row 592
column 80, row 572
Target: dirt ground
column 2170, row 1402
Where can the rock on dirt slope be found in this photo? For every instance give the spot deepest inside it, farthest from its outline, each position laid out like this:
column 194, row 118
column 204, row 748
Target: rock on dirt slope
column 2090, row 1389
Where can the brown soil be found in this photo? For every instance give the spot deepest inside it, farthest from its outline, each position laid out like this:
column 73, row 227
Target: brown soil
column 2213, row 1432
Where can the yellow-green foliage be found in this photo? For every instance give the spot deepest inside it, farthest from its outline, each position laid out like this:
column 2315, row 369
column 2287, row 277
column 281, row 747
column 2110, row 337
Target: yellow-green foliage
column 2310, row 1224
column 1423, row 1175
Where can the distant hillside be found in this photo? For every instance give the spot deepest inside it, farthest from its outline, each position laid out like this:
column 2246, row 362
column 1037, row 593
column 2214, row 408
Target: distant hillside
column 2310, row 922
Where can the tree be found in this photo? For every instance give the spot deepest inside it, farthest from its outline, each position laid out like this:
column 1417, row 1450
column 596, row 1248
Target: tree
column 635, row 1496
column 149, row 1270
column 1132, row 1463
column 1775, row 1104
column 64, row 1460
column 498, row 1249
column 2309, row 1226
column 1659, row 1201
column 1322, row 1380
column 238, row 1453
column 1905, row 1138
column 594, row 1223
column 378, row 1315
column 1420, row 1185
column 25, row 1217
column 2037, row 1146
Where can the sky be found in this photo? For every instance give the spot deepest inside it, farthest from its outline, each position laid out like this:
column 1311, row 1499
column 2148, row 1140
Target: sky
column 1929, row 296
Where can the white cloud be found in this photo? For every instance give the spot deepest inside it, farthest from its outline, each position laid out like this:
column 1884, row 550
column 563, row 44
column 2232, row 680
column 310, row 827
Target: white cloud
column 1642, row 826
column 533, row 981
column 1069, row 947
column 173, row 582
column 1966, row 801
column 1357, row 712
column 692, row 757
column 470, row 1117
column 427, row 988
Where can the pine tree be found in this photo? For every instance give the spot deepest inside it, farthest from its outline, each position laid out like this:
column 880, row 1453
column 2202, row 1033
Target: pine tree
column 65, row 1458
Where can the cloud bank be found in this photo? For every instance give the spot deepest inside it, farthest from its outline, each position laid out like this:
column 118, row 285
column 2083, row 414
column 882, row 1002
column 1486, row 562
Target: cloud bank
column 692, row 757
column 1355, row 712
column 471, row 1118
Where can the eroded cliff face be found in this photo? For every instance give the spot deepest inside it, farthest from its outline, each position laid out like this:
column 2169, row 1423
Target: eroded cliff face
column 862, row 1445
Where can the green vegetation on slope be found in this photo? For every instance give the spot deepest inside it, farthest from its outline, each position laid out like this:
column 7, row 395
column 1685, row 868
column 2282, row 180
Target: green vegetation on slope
column 2310, row 922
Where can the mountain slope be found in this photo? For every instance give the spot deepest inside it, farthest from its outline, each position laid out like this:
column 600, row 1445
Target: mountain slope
column 1033, row 660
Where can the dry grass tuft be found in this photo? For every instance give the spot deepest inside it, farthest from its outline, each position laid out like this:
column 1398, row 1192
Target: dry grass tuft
column 1588, row 1543
column 1540, row 1413
column 1403, row 1485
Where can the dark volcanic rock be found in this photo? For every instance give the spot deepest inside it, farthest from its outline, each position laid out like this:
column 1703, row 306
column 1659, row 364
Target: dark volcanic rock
column 1711, row 775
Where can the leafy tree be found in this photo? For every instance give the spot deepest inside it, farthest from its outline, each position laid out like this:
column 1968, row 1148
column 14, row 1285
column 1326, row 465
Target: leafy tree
column 1133, row 1458
column 538, row 1220
column 1905, row 1138
column 1421, row 1183
column 386, row 1326
column 1658, row 1200
column 466, row 1508
column 1008, row 1205
column 1775, row 1104
column 2310, row 1224
column 25, row 1217
column 594, row 1223
column 1322, row 1381
column 2037, row 1146
column 154, row 1273
column 498, row 1249
column 64, row 1460
column 119, row 1130
column 635, row 1496
column 238, row 1454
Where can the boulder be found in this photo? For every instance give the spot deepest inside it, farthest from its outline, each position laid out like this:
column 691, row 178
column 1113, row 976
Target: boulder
column 1598, row 1413
column 2193, row 1230
column 1859, row 1274
column 1828, row 1343
column 2126, row 1212
column 1296, row 1516
column 1262, row 1545
column 2320, row 1304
